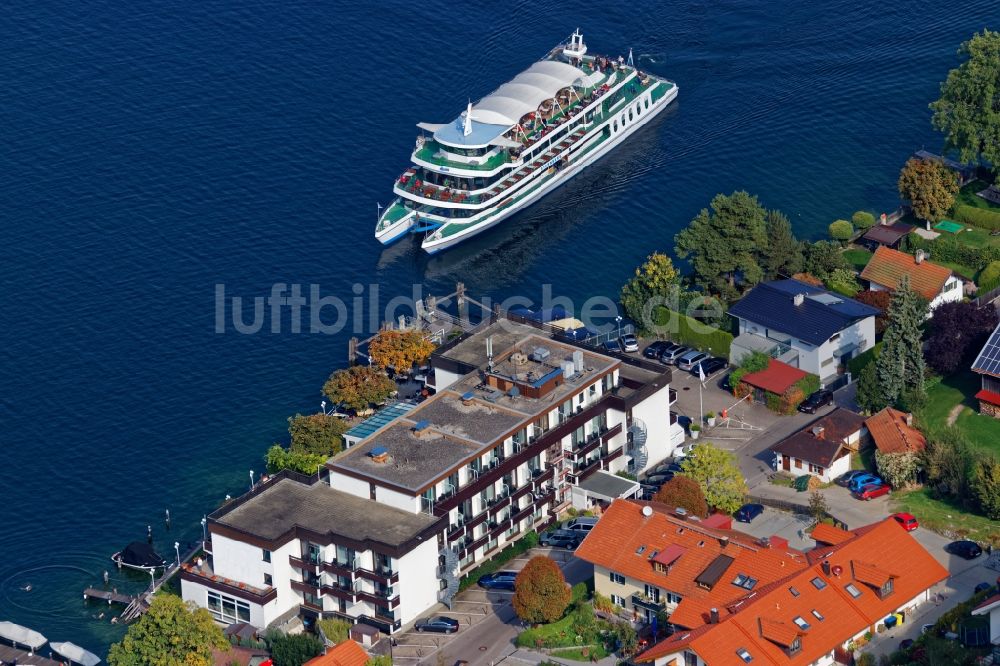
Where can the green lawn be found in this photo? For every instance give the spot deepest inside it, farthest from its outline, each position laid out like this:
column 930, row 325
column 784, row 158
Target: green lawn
column 983, row 432
column 577, row 654
column 857, row 257
column 942, row 515
column 964, row 271
column 967, row 196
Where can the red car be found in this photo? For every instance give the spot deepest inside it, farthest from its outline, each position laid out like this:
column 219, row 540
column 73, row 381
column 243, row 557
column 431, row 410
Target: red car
column 906, row 520
column 872, row 490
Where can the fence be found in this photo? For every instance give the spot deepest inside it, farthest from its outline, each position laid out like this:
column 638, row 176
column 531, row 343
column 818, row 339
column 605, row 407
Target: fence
column 988, row 297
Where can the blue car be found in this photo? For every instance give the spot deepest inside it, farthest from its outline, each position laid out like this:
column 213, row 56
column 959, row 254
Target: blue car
column 500, row 580
column 747, row 512
column 859, row 482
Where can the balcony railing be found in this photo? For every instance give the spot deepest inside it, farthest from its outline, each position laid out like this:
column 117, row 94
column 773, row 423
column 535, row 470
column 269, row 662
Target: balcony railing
column 258, row 595
column 642, row 601
column 383, row 576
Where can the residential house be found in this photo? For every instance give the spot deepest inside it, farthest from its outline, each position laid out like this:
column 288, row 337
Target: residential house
column 892, row 431
column 822, row 448
column 991, row 609
column 519, row 420
column 345, row 653
column 802, row 325
column 887, row 267
column 813, row 614
column 776, row 378
column 987, row 366
column 885, row 235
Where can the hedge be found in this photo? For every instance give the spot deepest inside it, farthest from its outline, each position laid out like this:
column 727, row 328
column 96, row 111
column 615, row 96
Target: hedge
column 989, row 279
column 949, row 249
column 681, row 329
column 978, row 217
column 522, row 545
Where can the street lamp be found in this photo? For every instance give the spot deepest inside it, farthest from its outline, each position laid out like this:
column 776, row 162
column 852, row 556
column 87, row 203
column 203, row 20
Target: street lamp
column 204, row 531
column 251, row 479
column 177, row 549
column 619, row 320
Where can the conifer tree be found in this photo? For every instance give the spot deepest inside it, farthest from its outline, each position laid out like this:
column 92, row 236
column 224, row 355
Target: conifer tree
column 899, row 368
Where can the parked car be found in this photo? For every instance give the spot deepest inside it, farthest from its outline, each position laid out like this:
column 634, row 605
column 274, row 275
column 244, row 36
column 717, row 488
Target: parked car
column 629, row 343
column 982, row 587
column 747, row 512
column 440, row 624
column 905, row 644
column 671, row 354
column 562, row 539
column 906, row 520
column 691, row 359
column 845, row 479
column 968, row 550
column 859, row 482
column 710, row 366
column 655, row 348
column 872, row 490
column 659, row 479
column 612, row 346
column 498, row 580
column 665, row 468
column 582, row 524
column 820, row 398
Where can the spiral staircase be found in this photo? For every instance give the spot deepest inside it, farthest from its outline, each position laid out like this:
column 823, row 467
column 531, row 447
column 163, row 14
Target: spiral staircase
column 447, row 574
column 640, row 456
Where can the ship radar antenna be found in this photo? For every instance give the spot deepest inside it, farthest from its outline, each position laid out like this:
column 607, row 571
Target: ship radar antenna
column 467, row 127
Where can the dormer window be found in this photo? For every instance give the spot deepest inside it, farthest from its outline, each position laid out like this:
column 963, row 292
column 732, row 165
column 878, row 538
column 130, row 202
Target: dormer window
column 886, row 589
column 795, row 647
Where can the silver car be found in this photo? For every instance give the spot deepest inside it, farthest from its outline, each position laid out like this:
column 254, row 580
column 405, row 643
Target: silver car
column 691, row 359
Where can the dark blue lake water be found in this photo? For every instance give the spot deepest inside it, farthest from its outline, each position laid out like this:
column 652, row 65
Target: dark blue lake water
column 153, row 150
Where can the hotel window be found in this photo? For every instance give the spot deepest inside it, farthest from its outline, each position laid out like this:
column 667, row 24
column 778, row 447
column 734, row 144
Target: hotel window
column 268, row 581
column 616, row 578
column 227, row 609
column 266, row 554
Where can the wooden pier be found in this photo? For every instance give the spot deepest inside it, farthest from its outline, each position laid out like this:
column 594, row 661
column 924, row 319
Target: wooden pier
column 112, row 596
column 10, row 655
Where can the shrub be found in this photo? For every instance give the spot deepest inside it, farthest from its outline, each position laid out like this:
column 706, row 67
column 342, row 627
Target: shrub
column 989, row 279
column 880, row 300
column 689, row 331
column 863, row 219
column 293, row 650
column 684, row 492
column 841, row 230
column 842, row 281
column 983, row 218
column 335, row 630
column 540, row 592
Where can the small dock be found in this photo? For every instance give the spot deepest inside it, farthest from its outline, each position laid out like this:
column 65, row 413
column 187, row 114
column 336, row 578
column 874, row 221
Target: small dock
column 112, row 596
column 10, row 655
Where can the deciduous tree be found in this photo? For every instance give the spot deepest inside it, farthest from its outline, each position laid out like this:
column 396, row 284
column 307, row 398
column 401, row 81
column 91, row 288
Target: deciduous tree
column 818, row 506
column 948, row 463
column 718, row 474
column 540, row 591
column 985, row 484
column 279, row 458
column 316, row 433
column 782, row 255
column 970, row 97
column 684, row 492
column 957, row 331
column 862, row 219
column 899, row 469
column 359, row 387
column 293, row 649
column 171, row 633
column 400, row 349
column 841, row 230
column 725, row 242
column 900, row 365
column 930, row 186
column 880, row 300
column 822, row 258
column 655, row 283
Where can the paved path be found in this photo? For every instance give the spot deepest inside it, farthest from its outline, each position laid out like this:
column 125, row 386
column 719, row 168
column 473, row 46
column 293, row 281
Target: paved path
column 953, row 414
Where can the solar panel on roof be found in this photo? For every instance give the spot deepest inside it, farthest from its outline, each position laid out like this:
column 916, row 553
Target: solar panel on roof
column 988, row 360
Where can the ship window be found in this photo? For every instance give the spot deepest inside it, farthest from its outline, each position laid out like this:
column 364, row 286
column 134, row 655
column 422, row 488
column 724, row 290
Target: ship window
column 638, row 108
column 647, row 102
column 630, row 116
column 614, row 126
column 623, row 119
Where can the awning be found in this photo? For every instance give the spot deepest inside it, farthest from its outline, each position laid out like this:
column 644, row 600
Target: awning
column 19, row 635
column 76, row 654
column 430, row 127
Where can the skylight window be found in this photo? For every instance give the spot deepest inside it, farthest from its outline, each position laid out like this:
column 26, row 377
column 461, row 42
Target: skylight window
column 800, row 622
column 794, row 592
column 818, row 583
column 640, row 550
column 744, row 581
column 744, row 655
column 852, row 590
column 817, row 615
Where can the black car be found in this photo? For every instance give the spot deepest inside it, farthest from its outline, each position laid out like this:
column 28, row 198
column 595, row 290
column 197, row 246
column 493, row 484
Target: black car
column 440, row 624
column 658, row 479
column 845, row 479
column 562, row 539
column 655, row 348
column 968, row 550
column 747, row 512
column 499, row 580
column 612, row 346
column 710, row 366
column 820, row 398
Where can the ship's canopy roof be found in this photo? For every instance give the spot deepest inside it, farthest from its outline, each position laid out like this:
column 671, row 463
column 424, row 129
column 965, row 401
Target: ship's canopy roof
column 496, row 113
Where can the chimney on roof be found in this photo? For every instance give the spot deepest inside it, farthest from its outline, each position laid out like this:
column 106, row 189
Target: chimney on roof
column 798, row 299
column 817, row 432
column 909, row 419
column 713, row 616
column 826, row 567
column 919, row 256
column 723, row 541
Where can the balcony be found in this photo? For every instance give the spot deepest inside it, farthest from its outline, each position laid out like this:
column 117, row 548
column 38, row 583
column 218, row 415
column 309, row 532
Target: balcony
column 642, row 601
column 672, row 398
column 204, row 575
column 340, row 592
column 378, row 598
column 341, row 568
column 311, row 566
column 306, row 588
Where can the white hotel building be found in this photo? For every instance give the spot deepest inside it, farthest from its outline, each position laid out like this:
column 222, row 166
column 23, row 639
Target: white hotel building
column 383, row 533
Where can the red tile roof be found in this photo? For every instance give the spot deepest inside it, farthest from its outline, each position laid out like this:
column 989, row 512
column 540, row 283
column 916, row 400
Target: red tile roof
column 830, row 535
column 887, row 268
column 989, row 397
column 764, row 621
column 347, row 653
column 777, row 377
column 891, row 433
column 986, row 605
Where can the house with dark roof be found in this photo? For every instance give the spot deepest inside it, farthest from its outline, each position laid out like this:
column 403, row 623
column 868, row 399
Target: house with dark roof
column 822, row 448
column 802, row 325
column 987, row 366
column 887, row 268
column 885, row 235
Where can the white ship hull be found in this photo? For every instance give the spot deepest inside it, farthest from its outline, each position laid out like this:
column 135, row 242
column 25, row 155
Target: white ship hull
column 432, row 245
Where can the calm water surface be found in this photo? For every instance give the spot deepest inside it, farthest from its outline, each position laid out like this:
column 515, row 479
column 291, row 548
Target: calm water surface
column 153, row 150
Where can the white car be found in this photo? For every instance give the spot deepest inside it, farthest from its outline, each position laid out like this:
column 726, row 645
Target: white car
column 630, row 343
column 691, row 359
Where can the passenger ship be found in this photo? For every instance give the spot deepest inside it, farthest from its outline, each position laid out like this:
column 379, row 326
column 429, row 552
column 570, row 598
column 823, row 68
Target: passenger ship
column 519, row 143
